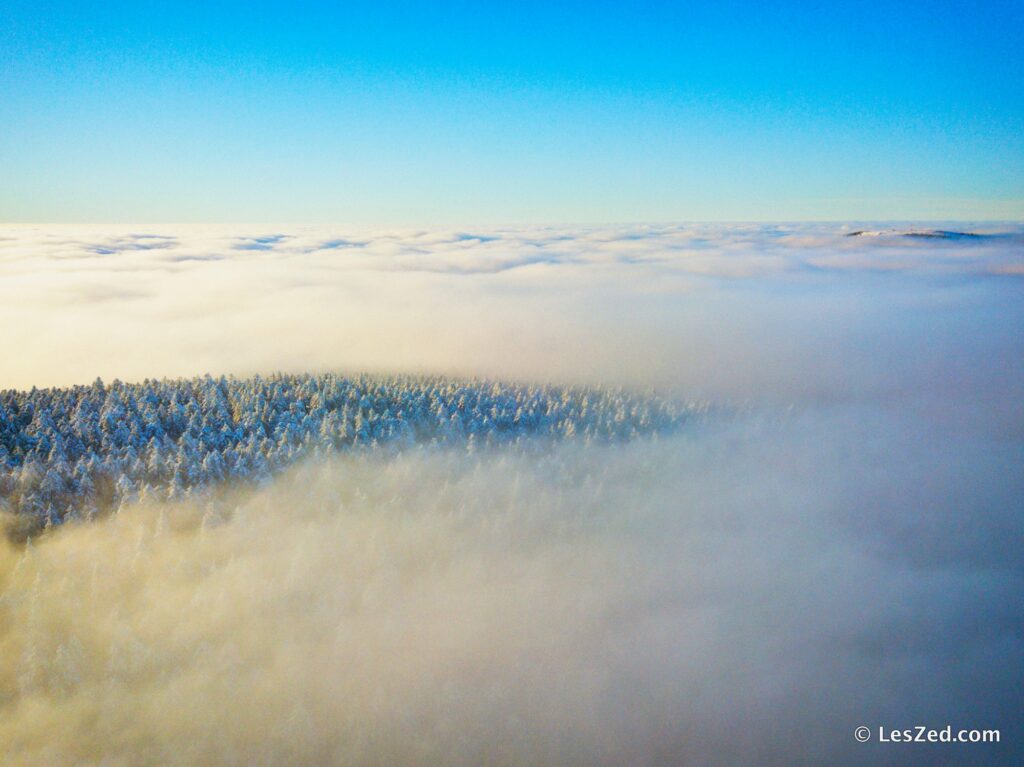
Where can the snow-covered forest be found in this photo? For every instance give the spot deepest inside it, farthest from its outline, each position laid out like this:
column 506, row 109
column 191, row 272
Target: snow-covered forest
column 78, row 451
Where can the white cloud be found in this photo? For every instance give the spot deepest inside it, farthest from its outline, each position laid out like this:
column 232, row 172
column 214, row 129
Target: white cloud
column 667, row 305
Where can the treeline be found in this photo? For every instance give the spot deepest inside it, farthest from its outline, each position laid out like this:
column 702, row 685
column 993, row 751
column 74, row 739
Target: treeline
column 79, row 451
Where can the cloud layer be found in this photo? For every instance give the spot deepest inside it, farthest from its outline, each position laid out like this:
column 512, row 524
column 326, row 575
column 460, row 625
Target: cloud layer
column 842, row 550
column 719, row 310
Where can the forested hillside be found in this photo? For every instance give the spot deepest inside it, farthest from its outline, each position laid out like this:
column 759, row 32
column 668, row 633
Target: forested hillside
column 78, row 451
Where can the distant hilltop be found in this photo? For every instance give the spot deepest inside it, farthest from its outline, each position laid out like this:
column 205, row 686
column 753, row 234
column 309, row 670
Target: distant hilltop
column 935, row 234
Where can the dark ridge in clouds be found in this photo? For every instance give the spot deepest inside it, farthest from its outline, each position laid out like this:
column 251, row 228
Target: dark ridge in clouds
column 195, row 257
column 114, row 245
column 132, row 242
column 466, row 237
column 935, row 234
column 340, row 244
column 266, row 242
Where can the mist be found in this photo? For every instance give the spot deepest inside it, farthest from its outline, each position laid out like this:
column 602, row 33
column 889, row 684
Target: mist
column 747, row 593
column 836, row 544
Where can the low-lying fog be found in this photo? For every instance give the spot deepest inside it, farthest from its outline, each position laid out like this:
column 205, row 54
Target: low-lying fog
column 844, row 548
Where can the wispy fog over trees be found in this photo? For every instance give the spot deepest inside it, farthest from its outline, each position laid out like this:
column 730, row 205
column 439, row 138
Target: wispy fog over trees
column 83, row 450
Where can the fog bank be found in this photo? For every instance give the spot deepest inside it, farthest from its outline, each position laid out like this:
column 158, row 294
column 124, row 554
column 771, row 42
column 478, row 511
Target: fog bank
column 747, row 593
column 838, row 544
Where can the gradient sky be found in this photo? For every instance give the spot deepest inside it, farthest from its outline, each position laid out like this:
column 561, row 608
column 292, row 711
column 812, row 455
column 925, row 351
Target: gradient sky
column 430, row 113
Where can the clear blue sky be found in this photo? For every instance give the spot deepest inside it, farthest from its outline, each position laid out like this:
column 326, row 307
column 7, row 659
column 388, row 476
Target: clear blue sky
column 417, row 113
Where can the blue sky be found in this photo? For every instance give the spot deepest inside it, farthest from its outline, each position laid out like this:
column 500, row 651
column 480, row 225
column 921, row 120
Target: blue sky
column 431, row 113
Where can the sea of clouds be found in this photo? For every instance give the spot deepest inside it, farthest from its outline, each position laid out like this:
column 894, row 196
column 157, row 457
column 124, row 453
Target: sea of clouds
column 839, row 546
column 737, row 311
